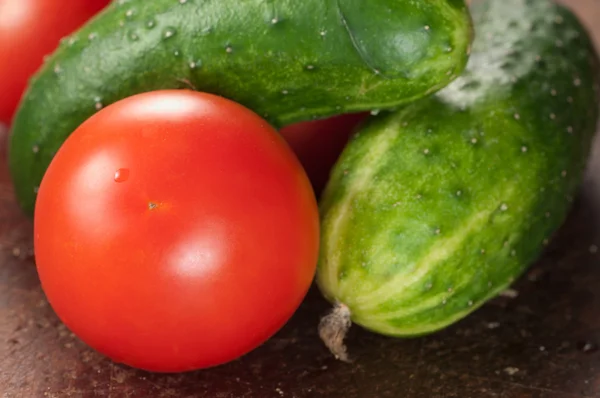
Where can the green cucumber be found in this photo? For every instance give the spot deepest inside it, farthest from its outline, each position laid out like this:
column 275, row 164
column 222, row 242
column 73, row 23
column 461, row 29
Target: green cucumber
column 287, row 60
column 437, row 207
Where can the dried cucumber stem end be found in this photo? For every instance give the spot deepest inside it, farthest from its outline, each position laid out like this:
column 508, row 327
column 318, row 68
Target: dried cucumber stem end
column 333, row 328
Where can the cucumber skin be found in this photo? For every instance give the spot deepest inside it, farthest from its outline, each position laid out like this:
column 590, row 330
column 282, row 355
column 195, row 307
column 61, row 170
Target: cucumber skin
column 436, row 208
column 287, row 60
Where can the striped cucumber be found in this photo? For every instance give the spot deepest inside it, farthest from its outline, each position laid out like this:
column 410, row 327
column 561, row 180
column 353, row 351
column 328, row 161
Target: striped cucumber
column 287, row 60
column 437, row 207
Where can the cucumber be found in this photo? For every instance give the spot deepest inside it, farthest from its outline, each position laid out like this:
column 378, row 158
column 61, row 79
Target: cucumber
column 437, row 207
column 287, row 60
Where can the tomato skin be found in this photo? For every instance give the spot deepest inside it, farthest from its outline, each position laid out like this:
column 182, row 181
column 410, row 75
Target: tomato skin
column 29, row 30
column 318, row 144
column 175, row 230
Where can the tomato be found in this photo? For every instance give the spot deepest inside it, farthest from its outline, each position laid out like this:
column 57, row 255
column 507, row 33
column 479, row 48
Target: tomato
column 319, row 143
column 175, row 230
column 29, row 30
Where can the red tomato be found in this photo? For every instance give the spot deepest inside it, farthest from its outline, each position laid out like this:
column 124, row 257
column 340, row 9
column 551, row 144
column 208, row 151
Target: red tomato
column 30, row 29
column 319, row 143
column 175, row 230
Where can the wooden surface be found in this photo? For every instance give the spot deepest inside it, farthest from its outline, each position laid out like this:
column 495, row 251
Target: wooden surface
column 540, row 340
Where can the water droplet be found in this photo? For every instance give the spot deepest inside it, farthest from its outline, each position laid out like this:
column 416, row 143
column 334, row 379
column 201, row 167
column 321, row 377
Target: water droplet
column 587, row 347
column 437, row 231
column 427, row 27
column 133, row 36
column 552, row 116
column 195, row 64
column 473, row 140
column 523, row 149
column 152, row 205
column 310, row 67
column 169, row 32
column 323, row 33
column 176, row 53
column 570, row 100
column 121, row 175
column 517, row 116
column 570, row 129
column 129, row 13
column 563, row 173
column 182, row 1
column 470, row 303
column 36, row 189
column 375, row 112
column 57, row 69
column 35, row 149
column 228, row 49
column 458, row 193
column 577, row 82
column 553, row 92
column 504, row 207
column 449, row 49
column 92, row 36
column 150, row 24
column 493, row 325
column 284, row 92
column 426, row 151
column 274, row 21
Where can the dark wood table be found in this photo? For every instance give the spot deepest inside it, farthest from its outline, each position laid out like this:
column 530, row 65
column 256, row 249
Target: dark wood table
column 541, row 339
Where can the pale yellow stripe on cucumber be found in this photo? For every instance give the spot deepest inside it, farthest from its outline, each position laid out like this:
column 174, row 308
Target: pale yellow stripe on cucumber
column 427, row 304
column 439, row 252
column 383, row 325
column 424, row 305
column 362, row 174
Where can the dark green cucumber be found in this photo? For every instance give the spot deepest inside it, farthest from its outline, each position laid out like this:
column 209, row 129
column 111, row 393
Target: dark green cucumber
column 437, row 207
column 287, row 60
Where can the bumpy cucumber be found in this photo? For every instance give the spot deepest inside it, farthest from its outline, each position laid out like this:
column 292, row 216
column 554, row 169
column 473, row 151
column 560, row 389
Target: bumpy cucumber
column 288, row 60
column 435, row 208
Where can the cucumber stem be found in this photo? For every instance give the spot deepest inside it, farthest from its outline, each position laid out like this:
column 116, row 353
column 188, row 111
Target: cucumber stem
column 333, row 328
